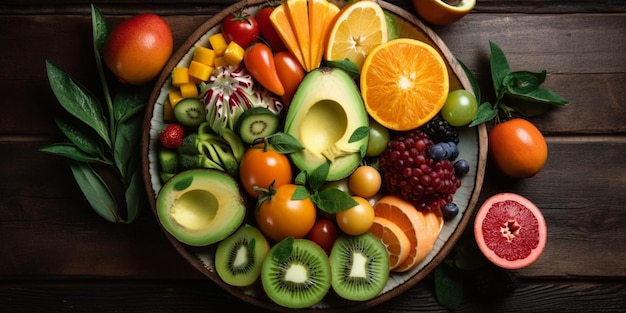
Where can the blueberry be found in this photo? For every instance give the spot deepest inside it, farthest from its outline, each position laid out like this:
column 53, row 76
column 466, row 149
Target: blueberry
column 437, row 152
column 454, row 151
column 461, row 167
column 449, row 211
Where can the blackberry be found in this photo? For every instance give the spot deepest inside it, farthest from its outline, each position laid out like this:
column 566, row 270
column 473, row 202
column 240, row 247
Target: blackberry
column 439, row 130
column 410, row 173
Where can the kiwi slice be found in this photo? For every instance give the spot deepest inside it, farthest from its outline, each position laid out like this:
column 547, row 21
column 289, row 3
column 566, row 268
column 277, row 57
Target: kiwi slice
column 257, row 122
column 296, row 273
column 239, row 257
column 190, row 112
column 359, row 266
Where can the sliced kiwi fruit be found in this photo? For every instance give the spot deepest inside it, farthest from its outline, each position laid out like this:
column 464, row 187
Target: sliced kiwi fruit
column 359, row 266
column 257, row 122
column 238, row 258
column 190, row 112
column 296, row 273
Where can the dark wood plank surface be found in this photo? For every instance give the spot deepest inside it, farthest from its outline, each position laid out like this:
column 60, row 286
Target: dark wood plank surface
column 59, row 256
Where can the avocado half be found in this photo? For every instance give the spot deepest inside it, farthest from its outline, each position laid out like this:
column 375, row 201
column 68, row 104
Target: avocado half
column 201, row 206
column 325, row 111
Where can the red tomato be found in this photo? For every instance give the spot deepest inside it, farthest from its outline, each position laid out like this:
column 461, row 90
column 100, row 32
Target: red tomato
column 290, row 73
column 280, row 216
column 324, row 233
column 259, row 62
column 268, row 32
column 260, row 167
column 241, row 28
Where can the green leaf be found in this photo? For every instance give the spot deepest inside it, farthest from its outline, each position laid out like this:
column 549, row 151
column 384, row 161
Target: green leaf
column 300, row 193
column 284, row 143
column 486, row 112
column 300, row 178
column 134, row 196
column 346, row 65
column 129, row 101
column 96, row 191
column 77, row 100
column 359, row 133
column 127, row 140
column 499, row 68
column 183, row 184
column 317, row 178
column 472, row 80
column 523, row 82
column 283, row 250
column 85, row 140
column 99, row 29
column 333, row 200
column 542, row 95
column 69, row 150
column 448, row 286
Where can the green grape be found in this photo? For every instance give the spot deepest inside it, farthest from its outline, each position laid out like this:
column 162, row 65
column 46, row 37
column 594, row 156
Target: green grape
column 378, row 139
column 460, row 108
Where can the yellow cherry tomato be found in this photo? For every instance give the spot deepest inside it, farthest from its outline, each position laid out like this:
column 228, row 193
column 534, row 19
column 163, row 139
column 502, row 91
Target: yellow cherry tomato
column 357, row 219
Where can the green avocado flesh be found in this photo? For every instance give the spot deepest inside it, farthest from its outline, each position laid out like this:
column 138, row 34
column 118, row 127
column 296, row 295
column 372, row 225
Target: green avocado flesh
column 325, row 111
column 200, row 206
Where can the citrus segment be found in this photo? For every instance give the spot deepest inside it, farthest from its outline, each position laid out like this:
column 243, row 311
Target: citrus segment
column 281, row 22
column 404, row 83
column 411, row 222
column 358, row 29
column 396, row 241
column 298, row 13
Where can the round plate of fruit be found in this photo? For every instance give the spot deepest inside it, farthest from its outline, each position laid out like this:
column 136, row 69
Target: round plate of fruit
column 314, row 154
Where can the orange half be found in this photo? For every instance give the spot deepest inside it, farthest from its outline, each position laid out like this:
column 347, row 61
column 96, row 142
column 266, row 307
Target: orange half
column 396, row 241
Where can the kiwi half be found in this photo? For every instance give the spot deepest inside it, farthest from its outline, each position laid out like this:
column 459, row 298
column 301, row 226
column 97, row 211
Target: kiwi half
column 257, row 122
column 238, row 258
column 296, row 273
column 359, row 266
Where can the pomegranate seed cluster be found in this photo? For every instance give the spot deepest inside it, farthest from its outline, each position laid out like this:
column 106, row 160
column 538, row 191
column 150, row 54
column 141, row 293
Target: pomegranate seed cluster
column 410, row 173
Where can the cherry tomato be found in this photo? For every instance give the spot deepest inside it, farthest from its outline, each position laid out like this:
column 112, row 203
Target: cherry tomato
column 365, row 181
column 324, row 233
column 241, row 28
column 268, row 32
column 280, row 216
column 290, row 73
column 259, row 62
column 357, row 219
column 261, row 166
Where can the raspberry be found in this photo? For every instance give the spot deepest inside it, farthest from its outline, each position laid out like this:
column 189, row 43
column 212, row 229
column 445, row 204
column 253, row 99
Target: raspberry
column 439, row 130
column 412, row 174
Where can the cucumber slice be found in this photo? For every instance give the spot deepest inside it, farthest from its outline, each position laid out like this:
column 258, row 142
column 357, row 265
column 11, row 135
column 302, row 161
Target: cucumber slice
column 255, row 123
column 190, row 112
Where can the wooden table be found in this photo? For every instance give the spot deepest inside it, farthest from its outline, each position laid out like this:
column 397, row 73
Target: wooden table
column 56, row 255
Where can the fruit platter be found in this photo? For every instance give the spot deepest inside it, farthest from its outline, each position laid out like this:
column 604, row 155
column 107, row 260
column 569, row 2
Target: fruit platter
column 297, row 167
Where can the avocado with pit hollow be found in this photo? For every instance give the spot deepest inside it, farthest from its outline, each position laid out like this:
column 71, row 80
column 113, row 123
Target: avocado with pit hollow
column 200, row 207
column 325, row 112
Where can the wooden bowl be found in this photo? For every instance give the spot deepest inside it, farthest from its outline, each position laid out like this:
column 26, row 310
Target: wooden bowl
column 473, row 147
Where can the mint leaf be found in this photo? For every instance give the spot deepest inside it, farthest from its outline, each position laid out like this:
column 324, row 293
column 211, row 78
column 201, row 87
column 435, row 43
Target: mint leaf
column 499, row 68
column 333, row 200
column 486, row 112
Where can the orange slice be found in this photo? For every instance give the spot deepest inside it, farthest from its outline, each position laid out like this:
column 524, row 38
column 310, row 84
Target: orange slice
column 396, row 241
column 358, row 28
column 298, row 13
column 321, row 15
column 412, row 223
column 434, row 223
column 281, row 22
column 404, row 83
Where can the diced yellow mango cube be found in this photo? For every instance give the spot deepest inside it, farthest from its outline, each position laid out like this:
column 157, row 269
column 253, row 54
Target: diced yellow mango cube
column 218, row 43
column 234, row 54
column 220, row 61
column 200, row 71
column 180, row 76
column 189, row 90
column 174, row 96
column 204, row 55
column 168, row 112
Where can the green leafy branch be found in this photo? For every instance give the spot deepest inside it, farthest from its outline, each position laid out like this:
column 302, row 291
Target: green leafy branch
column 517, row 91
column 95, row 136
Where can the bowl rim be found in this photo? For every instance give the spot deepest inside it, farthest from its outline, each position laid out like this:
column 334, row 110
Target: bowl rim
column 454, row 68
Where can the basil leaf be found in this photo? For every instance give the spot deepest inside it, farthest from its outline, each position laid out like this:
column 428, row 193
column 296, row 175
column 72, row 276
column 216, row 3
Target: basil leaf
column 486, row 112
column 471, row 79
column 83, row 139
column 448, row 286
column 129, row 101
column 523, row 82
column 127, row 141
column 133, row 196
column 284, row 143
column 300, row 193
column 333, row 200
column 542, row 95
column 359, row 133
column 95, row 190
column 317, row 178
column 70, row 151
column 77, row 100
column 499, row 68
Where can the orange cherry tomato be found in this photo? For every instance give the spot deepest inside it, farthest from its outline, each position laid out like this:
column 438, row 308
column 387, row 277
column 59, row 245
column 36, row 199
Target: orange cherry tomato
column 290, row 73
column 357, row 219
column 280, row 216
column 260, row 166
column 259, row 62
